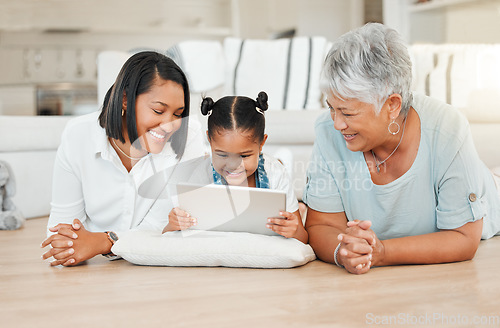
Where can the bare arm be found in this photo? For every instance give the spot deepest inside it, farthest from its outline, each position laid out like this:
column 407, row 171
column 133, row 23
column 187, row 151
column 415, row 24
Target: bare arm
column 440, row 247
column 300, row 233
column 323, row 229
column 84, row 244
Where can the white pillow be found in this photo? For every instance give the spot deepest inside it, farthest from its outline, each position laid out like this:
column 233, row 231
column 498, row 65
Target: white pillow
column 211, row 248
column 288, row 70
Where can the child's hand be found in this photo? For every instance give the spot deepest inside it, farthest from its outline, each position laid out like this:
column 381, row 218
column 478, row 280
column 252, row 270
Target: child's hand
column 289, row 227
column 179, row 220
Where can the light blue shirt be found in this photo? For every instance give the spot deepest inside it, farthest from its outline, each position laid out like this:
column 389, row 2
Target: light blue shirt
column 446, row 187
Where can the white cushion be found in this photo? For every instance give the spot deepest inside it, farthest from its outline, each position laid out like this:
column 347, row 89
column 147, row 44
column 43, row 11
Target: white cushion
column 486, row 136
column 466, row 76
column 109, row 64
column 288, row 70
column 32, row 171
column 203, row 63
column 31, row 133
column 228, row 249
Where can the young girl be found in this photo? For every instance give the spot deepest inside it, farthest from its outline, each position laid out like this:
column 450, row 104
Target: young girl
column 236, row 134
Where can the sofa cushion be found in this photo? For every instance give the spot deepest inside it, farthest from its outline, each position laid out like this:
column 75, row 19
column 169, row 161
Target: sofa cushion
column 31, row 133
column 32, row 171
column 466, row 76
column 486, row 139
column 288, row 70
column 29, row 145
column 291, row 127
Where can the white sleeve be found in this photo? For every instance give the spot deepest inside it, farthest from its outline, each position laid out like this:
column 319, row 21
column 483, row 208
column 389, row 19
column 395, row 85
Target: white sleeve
column 157, row 216
column 195, row 146
column 280, row 180
column 166, row 199
column 67, row 196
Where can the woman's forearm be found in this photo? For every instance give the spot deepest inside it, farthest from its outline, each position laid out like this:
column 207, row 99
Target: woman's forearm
column 323, row 240
column 439, row 247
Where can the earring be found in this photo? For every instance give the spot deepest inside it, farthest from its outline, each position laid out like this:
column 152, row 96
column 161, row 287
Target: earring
column 123, row 111
column 389, row 128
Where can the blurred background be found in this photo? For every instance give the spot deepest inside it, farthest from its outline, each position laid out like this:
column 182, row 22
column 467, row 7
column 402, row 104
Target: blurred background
column 48, row 48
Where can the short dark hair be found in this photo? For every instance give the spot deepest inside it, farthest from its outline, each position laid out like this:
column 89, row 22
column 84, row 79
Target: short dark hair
column 236, row 112
column 136, row 77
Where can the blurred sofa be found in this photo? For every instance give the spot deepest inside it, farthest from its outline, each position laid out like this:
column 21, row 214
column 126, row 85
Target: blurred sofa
column 29, row 144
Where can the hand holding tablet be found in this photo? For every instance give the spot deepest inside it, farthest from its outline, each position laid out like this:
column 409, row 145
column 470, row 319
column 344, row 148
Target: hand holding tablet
column 231, row 208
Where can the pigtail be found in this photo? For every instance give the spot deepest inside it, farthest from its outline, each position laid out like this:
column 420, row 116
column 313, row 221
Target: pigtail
column 261, row 101
column 207, row 105
column 236, row 112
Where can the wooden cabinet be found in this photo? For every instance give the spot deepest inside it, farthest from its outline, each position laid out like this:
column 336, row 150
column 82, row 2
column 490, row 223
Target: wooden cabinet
column 46, row 64
column 18, row 100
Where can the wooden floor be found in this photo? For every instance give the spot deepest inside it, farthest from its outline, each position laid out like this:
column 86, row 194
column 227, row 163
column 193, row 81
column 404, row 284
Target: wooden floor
column 119, row 294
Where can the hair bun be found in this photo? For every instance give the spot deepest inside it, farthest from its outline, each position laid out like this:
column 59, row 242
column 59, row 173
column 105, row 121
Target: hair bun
column 262, row 101
column 206, row 105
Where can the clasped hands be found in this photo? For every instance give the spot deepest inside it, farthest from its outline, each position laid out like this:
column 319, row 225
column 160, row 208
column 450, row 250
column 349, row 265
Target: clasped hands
column 71, row 245
column 360, row 248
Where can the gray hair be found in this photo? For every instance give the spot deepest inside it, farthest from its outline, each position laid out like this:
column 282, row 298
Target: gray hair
column 369, row 64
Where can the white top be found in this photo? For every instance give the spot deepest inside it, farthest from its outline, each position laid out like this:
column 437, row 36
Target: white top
column 446, row 187
column 276, row 173
column 90, row 182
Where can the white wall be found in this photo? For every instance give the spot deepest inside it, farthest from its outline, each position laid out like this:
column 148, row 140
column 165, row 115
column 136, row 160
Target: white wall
column 473, row 21
column 330, row 18
column 252, row 18
column 35, row 57
column 58, row 41
column 31, row 55
column 478, row 23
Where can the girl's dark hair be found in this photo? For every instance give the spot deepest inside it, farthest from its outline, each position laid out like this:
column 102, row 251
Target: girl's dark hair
column 236, row 113
column 137, row 77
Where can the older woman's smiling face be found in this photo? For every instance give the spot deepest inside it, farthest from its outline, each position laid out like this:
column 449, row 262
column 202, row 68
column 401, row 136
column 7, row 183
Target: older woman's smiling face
column 361, row 127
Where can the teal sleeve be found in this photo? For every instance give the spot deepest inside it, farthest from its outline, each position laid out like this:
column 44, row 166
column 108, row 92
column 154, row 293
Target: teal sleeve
column 321, row 192
column 462, row 191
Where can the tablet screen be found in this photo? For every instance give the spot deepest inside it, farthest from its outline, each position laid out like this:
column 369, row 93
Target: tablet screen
column 231, row 208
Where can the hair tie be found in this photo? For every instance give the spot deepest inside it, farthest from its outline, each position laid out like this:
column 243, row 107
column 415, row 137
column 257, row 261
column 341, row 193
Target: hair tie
column 261, row 102
column 207, row 105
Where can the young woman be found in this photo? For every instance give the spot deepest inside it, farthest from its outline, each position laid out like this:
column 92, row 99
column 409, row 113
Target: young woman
column 104, row 157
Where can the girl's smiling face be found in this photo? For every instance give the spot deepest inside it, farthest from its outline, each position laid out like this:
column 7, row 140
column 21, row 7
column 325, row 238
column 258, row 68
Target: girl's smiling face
column 235, row 156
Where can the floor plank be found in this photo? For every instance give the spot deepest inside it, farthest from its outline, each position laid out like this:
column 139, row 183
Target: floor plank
column 119, row 294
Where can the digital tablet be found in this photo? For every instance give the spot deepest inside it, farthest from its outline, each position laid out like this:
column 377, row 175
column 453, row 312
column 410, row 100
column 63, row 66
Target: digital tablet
column 231, row 208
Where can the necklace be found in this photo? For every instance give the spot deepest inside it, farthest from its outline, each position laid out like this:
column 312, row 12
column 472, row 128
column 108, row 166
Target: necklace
column 379, row 164
column 124, row 154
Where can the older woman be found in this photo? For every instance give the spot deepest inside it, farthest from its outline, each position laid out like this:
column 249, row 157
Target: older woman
column 394, row 178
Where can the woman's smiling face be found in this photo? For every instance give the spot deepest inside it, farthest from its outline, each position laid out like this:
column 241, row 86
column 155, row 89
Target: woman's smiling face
column 158, row 114
column 235, row 156
column 360, row 126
